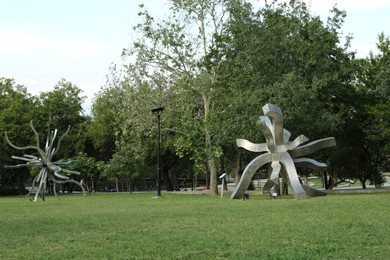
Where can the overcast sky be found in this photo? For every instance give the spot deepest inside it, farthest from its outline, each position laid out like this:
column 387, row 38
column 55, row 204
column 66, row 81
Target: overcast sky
column 42, row 41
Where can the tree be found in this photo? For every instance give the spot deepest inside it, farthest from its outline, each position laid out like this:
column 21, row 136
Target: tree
column 107, row 117
column 213, row 64
column 378, row 80
column 170, row 55
column 90, row 169
column 282, row 55
column 16, row 111
column 371, row 116
column 60, row 108
column 123, row 124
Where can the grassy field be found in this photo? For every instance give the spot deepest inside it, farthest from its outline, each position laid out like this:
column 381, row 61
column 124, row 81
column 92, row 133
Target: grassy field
column 177, row 226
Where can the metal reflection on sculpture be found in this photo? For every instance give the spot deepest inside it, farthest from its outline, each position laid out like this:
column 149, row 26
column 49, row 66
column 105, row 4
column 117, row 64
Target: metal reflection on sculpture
column 282, row 155
column 48, row 170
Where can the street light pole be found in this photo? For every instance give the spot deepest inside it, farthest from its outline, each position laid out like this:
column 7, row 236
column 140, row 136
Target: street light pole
column 158, row 111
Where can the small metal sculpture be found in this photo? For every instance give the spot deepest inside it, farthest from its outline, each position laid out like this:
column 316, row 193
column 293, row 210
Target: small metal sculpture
column 49, row 170
column 282, row 154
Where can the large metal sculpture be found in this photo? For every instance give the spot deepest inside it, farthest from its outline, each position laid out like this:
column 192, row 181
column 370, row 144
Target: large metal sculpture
column 282, row 154
column 48, row 170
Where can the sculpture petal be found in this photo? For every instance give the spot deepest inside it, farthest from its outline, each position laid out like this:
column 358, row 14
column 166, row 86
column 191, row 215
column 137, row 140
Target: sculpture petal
column 297, row 141
column 310, row 163
column 247, row 175
column 252, row 147
column 276, row 113
column 286, row 136
column 275, row 171
column 295, row 184
column 273, row 178
column 313, row 147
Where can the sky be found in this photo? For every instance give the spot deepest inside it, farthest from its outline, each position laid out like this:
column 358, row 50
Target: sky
column 43, row 41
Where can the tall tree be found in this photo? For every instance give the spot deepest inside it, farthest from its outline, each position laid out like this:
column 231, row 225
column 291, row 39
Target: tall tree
column 122, row 123
column 284, row 55
column 59, row 109
column 372, row 117
column 107, row 117
column 16, row 111
column 173, row 49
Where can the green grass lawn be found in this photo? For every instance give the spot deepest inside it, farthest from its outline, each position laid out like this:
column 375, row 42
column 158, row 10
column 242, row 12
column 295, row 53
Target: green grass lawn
column 136, row 226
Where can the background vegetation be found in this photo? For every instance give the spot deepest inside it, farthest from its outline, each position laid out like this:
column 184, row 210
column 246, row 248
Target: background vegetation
column 213, row 64
column 123, row 226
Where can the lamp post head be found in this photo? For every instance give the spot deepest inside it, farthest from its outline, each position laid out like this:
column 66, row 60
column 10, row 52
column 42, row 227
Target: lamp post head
column 157, row 110
column 223, row 175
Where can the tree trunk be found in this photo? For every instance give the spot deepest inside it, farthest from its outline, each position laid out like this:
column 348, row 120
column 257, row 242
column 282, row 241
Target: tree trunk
column 212, row 166
column 173, row 179
column 129, row 189
column 19, row 182
column 325, row 180
column 169, row 170
column 238, row 168
column 363, row 182
column 167, row 179
column 207, row 176
column 225, row 184
column 213, row 177
column 284, row 188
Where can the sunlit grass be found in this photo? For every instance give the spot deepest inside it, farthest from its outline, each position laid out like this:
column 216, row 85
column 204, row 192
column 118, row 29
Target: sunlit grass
column 136, row 226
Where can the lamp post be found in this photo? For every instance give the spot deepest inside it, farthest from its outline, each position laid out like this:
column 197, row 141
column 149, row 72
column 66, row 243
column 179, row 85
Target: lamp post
column 158, row 111
column 222, row 177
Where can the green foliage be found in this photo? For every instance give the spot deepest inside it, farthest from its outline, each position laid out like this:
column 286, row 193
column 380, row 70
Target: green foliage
column 299, row 67
column 89, row 168
column 123, row 126
column 104, row 129
column 128, row 162
column 213, row 65
column 58, row 109
column 16, row 110
column 62, row 106
column 168, row 57
column 366, row 133
column 377, row 87
column 8, row 192
column 280, row 54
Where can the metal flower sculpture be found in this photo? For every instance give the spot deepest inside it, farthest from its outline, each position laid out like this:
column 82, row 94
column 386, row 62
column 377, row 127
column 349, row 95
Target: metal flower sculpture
column 282, row 154
column 49, row 170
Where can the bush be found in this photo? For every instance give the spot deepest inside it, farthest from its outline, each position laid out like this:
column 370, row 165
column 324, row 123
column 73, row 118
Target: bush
column 9, row 192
